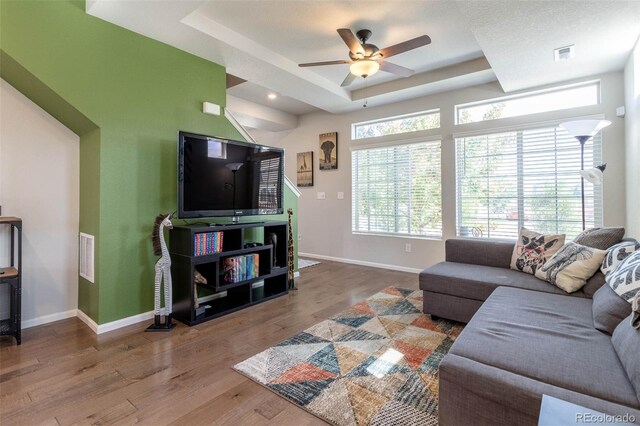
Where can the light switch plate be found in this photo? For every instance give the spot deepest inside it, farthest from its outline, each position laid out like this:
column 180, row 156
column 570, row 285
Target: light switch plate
column 321, row 195
column 341, row 195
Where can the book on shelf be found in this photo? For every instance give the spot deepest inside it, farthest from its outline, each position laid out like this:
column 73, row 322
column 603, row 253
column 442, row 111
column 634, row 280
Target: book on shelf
column 241, row 268
column 207, row 243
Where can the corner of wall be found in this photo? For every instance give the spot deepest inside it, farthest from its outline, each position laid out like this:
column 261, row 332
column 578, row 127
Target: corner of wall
column 632, row 139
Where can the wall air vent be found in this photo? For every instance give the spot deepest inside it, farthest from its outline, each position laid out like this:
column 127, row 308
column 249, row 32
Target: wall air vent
column 564, row 53
column 86, row 257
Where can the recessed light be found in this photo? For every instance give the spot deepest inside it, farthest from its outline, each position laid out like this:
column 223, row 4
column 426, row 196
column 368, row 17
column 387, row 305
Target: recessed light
column 272, row 96
column 564, row 53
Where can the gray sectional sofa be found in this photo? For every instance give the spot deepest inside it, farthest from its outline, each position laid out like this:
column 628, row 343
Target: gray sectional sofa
column 524, row 338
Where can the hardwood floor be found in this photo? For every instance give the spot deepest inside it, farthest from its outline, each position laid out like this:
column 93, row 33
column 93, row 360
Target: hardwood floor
column 64, row 374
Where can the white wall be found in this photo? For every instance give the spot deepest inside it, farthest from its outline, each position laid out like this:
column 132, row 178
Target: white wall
column 39, row 182
column 632, row 136
column 325, row 225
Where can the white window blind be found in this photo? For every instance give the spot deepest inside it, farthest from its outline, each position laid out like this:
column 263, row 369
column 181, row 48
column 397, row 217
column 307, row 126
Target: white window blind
column 396, row 190
column 268, row 188
column 524, row 178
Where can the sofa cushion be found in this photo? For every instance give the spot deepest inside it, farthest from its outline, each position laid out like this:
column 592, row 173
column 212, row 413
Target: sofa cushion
column 479, row 251
column 478, row 282
column 626, row 341
column 546, row 338
column 593, row 284
column 533, row 249
column 600, row 238
column 472, row 393
column 609, row 309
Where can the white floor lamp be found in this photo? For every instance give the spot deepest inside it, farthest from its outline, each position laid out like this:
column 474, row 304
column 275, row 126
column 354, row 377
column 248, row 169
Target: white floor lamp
column 583, row 130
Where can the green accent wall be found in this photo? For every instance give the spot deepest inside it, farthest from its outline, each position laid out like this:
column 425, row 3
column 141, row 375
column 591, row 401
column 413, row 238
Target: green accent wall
column 126, row 96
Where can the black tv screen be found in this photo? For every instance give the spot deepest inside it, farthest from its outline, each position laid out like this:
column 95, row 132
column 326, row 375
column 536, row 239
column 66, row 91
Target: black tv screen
column 221, row 177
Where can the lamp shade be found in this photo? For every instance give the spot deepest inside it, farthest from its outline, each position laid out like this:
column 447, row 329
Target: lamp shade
column 593, row 176
column 234, row 167
column 364, row 68
column 584, row 128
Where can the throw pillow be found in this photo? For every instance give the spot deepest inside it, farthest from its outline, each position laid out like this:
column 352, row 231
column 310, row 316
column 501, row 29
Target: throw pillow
column 617, row 254
column 608, row 309
column 571, row 266
column 625, row 279
column 532, row 250
column 600, row 238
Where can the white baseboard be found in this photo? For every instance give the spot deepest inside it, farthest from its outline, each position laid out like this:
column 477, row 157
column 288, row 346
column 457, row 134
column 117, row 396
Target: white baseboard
column 113, row 325
column 100, row 328
column 87, row 320
column 361, row 263
column 44, row 319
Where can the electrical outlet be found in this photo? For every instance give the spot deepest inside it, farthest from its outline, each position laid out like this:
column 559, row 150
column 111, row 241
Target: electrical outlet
column 407, row 248
column 299, row 237
column 340, row 195
column 321, row 195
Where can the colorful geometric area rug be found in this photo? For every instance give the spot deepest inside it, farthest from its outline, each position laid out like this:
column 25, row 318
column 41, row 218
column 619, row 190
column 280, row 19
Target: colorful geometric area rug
column 374, row 364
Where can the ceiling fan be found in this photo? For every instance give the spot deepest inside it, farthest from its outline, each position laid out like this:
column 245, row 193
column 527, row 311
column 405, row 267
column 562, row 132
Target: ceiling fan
column 367, row 59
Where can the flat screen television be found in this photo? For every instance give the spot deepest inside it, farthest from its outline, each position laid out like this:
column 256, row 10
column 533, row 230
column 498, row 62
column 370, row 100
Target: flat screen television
column 222, row 177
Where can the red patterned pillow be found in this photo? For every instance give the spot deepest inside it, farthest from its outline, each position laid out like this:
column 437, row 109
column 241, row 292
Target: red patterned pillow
column 532, row 250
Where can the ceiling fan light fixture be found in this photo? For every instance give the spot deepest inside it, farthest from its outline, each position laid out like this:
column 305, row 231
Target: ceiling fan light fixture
column 364, row 68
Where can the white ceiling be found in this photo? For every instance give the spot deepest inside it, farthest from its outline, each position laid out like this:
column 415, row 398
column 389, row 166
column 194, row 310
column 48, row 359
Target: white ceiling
column 263, row 41
column 258, row 94
column 518, row 37
column 305, row 31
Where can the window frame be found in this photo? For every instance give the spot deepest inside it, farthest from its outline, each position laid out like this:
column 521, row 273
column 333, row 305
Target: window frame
column 354, row 126
column 459, row 107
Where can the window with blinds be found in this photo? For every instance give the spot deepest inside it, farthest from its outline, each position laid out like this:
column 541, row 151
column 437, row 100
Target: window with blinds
column 396, row 190
column 269, row 186
column 525, row 178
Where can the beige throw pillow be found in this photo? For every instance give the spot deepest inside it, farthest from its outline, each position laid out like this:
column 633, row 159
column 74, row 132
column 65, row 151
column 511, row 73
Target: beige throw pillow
column 532, row 250
column 571, row 267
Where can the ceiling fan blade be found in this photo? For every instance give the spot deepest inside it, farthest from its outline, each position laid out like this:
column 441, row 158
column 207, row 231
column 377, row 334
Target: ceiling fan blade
column 348, row 80
column 317, row 64
column 405, row 46
column 350, row 40
column 395, row 69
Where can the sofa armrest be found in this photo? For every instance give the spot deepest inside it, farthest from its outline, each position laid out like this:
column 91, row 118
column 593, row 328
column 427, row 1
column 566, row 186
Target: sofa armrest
column 480, row 251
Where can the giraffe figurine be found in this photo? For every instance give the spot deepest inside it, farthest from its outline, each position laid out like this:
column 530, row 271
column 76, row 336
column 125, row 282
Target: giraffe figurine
column 163, row 273
column 292, row 284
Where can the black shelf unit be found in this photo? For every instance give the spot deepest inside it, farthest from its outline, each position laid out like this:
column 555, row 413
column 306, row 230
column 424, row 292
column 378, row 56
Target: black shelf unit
column 222, row 297
column 12, row 276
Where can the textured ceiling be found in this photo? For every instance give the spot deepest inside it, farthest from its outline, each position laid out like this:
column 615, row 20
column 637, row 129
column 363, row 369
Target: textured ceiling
column 518, row 37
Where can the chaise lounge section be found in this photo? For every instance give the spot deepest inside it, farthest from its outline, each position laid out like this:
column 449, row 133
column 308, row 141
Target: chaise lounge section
column 524, row 338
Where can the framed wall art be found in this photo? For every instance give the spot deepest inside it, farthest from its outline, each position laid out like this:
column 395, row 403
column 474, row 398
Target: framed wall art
column 304, row 169
column 329, row 151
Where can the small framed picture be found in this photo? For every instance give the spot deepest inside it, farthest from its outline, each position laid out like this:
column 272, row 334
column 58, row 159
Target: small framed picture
column 304, row 168
column 329, row 151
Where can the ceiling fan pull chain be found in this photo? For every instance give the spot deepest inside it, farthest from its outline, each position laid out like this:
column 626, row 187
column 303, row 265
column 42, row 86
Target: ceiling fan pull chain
column 365, row 93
